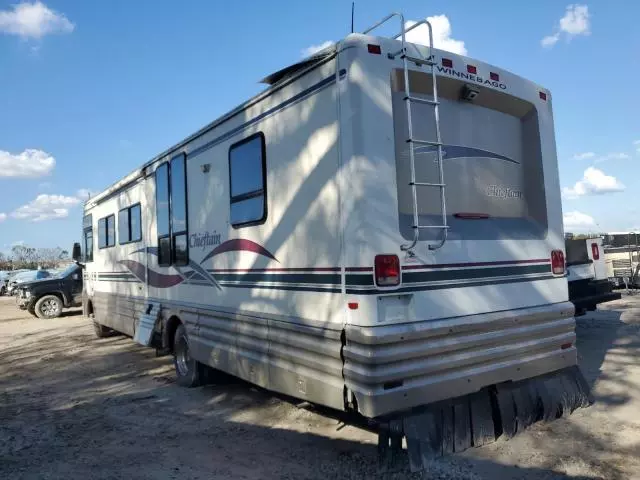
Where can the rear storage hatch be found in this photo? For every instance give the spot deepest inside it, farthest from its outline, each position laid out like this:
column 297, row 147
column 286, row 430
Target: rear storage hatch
column 491, row 157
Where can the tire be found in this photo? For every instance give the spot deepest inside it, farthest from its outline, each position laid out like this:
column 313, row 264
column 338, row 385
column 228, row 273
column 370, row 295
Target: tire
column 189, row 372
column 48, row 306
column 100, row 330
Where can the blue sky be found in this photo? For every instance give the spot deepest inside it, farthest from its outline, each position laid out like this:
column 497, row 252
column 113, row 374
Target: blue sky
column 91, row 90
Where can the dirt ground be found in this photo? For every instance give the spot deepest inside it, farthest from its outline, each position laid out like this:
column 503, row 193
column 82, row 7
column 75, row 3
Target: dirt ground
column 76, row 407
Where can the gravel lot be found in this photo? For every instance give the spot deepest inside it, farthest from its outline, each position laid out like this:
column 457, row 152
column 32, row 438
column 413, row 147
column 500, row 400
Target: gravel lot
column 76, row 407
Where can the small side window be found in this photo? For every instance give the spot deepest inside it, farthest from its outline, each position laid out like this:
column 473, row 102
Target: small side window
column 130, row 224
column 162, row 215
column 107, row 232
column 87, row 238
column 248, row 182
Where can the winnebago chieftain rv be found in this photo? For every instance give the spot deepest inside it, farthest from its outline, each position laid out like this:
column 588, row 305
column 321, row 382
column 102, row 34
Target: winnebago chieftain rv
column 379, row 231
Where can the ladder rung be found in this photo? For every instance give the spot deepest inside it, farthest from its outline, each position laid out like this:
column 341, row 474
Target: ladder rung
column 424, row 142
column 419, row 61
column 441, row 227
column 422, row 100
column 427, row 184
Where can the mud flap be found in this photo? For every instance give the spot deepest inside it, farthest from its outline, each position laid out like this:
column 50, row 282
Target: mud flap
column 480, row 418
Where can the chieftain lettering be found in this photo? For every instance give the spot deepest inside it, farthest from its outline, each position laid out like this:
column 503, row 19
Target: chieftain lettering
column 500, row 191
column 204, row 240
column 472, row 78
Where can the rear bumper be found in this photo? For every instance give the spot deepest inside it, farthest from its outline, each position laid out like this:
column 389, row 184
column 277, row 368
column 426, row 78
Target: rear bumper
column 398, row 367
column 585, row 295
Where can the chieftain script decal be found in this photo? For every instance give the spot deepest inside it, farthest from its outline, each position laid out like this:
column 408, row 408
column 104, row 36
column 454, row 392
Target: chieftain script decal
column 499, row 191
column 472, row 78
column 204, row 240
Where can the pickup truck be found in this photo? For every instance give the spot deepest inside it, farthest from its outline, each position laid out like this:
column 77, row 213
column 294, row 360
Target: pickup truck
column 587, row 274
column 47, row 298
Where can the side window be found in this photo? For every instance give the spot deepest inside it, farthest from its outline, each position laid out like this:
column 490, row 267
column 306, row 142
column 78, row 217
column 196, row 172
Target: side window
column 180, row 250
column 130, row 224
column 107, row 231
column 171, row 210
column 162, row 214
column 123, row 226
column 87, row 237
column 248, row 181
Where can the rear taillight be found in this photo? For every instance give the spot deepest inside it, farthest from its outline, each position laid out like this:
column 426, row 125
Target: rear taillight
column 387, row 269
column 375, row 49
column 595, row 251
column 557, row 262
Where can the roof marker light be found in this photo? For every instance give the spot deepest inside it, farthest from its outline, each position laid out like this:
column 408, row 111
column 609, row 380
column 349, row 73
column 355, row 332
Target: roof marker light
column 472, row 69
column 375, row 49
column 447, row 62
column 543, row 95
column 494, row 76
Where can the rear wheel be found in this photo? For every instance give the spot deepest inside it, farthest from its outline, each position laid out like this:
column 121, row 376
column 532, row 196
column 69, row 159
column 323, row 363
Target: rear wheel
column 189, row 372
column 48, row 306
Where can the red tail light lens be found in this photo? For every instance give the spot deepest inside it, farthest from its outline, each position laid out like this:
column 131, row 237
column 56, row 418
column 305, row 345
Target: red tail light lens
column 557, row 262
column 375, row 49
column 387, row 269
column 447, row 63
column 595, row 251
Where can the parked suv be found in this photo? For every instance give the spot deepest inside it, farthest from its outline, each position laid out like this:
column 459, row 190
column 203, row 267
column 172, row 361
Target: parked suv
column 47, row 298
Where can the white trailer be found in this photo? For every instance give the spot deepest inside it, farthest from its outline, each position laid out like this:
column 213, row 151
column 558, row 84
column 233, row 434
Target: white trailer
column 379, row 231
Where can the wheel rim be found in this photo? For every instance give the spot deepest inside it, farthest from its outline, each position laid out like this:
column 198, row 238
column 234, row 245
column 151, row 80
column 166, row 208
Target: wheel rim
column 49, row 307
column 183, row 359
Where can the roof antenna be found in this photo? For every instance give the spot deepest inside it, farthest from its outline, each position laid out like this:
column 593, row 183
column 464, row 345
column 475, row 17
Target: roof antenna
column 353, row 7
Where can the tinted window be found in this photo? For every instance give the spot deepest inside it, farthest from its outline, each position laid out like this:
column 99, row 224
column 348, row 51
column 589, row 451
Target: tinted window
column 164, row 251
column 181, row 249
column 178, row 195
column 162, row 199
column 123, row 225
column 102, row 233
column 130, row 224
column 135, row 216
column 111, row 230
column 247, row 180
column 107, row 231
column 88, row 245
column 87, row 229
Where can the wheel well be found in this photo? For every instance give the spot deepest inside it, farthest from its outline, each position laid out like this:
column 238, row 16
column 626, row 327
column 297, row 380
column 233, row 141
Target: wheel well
column 89, row 308
column 170, row 332
column 55, row 294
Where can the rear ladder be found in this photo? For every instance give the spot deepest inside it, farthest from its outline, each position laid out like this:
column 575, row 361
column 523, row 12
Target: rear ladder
column 414, row 142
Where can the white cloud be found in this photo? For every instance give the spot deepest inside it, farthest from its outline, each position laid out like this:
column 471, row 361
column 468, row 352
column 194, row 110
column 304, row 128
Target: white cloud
column 313, row 49
column 613, row 156
column 577, row 220
column 594, row 182
column 637, row 145
column 441, row 35
column 3, row 217
column 550, row 40
column 30, row 163
column 18, row 243
column 584, row 156
column 576, row 21
column 33, row 20
column 46, row 207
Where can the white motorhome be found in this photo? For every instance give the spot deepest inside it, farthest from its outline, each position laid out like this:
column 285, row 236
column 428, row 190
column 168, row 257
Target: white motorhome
column 379, row 231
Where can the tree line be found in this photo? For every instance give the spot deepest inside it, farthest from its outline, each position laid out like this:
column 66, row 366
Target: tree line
column 23, row 256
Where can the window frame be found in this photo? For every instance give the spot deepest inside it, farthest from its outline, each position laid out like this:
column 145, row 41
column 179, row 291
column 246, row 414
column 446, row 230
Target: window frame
column 255, row 193
column 106, row 231
column 172, row 234
column 162, row 237
column 128, row 210
column 182, row 156
column 87, row 227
